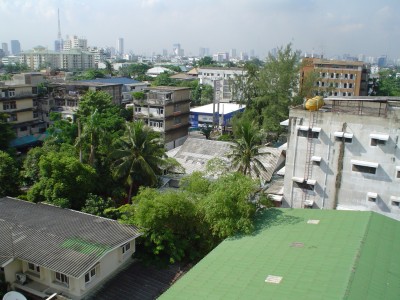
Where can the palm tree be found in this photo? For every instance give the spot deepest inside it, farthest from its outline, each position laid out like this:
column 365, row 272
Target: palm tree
column 90, row 135
column 245, row 155
column 139, row 155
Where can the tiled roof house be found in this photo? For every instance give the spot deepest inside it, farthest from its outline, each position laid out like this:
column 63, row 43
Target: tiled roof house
column 45, row 249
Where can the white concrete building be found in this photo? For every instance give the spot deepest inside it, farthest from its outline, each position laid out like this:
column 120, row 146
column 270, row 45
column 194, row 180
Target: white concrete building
column 220, row 79
column 345, row 156
column 73, row 42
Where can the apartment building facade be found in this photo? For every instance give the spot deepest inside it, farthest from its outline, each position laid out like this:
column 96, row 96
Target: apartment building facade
column 166, row 109
column 345, row 156
column 20, row 104
column 335, row 77
column 74, row 59
column 220, row 79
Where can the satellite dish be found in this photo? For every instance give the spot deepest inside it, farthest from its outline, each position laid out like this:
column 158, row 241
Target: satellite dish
column 14, row 296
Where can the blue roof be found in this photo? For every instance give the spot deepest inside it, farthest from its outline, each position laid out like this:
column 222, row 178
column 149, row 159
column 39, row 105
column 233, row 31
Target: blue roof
column 28, row 140
column 113, row 80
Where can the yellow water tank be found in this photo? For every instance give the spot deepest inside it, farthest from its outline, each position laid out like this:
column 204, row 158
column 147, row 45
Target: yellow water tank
column 314, row 103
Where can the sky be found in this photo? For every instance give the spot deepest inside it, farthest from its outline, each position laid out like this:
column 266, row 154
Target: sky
column 320, row 26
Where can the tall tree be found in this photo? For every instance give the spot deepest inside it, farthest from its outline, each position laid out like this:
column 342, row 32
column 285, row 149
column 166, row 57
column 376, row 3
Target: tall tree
column 91, row 134
column 64, row 181
column 245, row 154
column 9, row 175
column 227, row 208
column 6, row 132
column 138, row 156
column 278, row 87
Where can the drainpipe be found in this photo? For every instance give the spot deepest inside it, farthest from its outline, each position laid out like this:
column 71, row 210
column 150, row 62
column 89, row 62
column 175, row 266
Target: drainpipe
column 326, row 172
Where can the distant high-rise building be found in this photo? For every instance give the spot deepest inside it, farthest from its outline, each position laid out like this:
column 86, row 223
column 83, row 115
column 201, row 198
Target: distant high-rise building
column 233, row 53
column 244, row 56
column 15, row 47
column 4, row 46
column 165, row 52
column 120, row 47
column 175, row 49
column 58, row 45
column 252, row 53
column 382, row 61
column 74, row 42
column 202, row 52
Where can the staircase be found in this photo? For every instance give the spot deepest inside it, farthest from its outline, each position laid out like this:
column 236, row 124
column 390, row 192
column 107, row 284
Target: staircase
column 309, row 154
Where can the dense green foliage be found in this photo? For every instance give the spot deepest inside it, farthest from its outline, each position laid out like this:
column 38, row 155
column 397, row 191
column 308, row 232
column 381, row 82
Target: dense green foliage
column 269, row 90
column 388, row 83
column 63, row 180
column 9, row 175
column 6, row 132
column 184, row 225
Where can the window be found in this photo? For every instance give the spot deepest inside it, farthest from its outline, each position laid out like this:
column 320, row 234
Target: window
column 35, row 114
column 177, row 107
column 371, row 197
column 350, row 85
column 364, row 169
column 378, row 139
column 89, row 276
column 345, row 85
column 396, row 203
column 11, row 93
column 346, row 76
column 138, row 109
column 9, row 105
column 62, row 278
column 34, row 268
column 126, row 247
column 12, row 117
column 304, row 186
column 160, row 111
column 351, row 76
column 364, row 166
column 23, row 128
column 343, row 136
column 304, row 131
column 177, row 121
column 397, row 171
column 316, row 160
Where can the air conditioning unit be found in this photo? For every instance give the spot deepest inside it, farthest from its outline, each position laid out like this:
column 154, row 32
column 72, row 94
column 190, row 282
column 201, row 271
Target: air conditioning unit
column 20, row 278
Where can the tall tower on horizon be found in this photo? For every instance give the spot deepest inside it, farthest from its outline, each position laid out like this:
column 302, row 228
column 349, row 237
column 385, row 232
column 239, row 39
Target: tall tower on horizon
column 58, row 44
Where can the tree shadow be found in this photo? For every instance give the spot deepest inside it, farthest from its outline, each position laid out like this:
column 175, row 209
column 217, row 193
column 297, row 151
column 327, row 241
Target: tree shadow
column 273, row 217
column 268, row 218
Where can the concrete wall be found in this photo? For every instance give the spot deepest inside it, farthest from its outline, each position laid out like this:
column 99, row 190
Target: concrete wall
column 338, row 185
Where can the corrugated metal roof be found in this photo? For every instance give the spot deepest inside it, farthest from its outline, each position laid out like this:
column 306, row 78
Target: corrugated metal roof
column 346, row 255
column 62, row 240
column 194, row 154
column 113, row 80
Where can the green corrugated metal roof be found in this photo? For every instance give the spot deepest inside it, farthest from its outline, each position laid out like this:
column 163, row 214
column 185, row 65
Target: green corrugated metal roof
column 348, row 254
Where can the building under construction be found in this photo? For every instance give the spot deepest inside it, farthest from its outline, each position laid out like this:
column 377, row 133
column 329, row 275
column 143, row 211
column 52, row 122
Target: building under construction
column 345, row 155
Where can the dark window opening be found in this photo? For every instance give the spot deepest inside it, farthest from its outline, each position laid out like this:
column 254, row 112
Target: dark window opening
column 376, row 142
column 364, row 169
column 309, row 133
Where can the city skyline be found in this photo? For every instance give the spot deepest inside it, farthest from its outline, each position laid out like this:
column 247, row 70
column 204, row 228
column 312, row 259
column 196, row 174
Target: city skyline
column 149, row 26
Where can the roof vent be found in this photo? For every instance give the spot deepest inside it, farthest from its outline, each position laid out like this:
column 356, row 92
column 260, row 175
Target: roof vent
column 313, row 222
column 273, row 279
column 297, row 245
